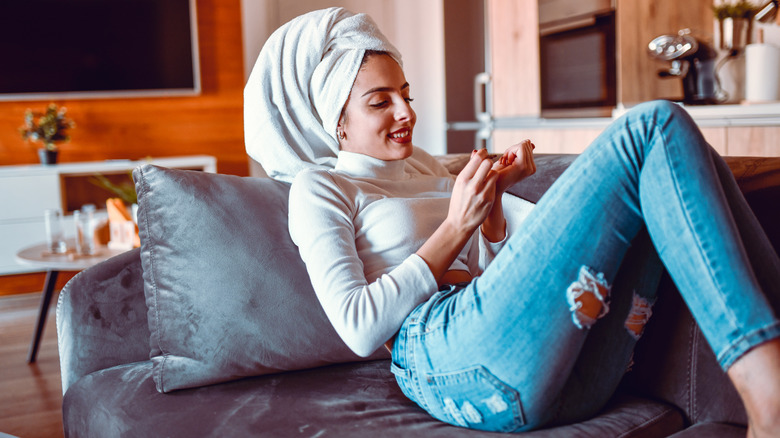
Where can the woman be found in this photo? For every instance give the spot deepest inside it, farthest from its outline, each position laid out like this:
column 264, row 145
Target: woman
column 487, row 330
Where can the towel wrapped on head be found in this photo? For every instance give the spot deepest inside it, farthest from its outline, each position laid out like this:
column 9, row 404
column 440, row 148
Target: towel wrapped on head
column 299, row 85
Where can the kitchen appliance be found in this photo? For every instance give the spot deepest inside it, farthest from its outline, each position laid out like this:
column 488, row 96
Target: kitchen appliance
column 578, row 67
column 693, row 61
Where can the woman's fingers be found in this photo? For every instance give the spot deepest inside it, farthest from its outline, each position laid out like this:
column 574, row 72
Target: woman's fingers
column 474, row 191
column 516, row 163
column 520, row 150
column 482, row 171
column 468, row 171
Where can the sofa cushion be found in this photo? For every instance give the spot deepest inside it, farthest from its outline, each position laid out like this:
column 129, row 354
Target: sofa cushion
column 346, row 400
column 227, row 293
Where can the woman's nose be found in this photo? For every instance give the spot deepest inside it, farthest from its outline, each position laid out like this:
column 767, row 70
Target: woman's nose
column 403, row 110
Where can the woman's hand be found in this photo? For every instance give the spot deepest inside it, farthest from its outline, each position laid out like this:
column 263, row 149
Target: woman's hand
column 471, row 201
column 516, row 164
column 474, row 193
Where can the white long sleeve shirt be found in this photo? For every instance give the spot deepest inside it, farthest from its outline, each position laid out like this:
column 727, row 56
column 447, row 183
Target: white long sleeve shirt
column 358, row 227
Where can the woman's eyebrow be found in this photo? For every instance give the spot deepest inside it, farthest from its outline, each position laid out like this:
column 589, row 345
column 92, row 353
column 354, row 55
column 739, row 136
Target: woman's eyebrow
column 378, row 89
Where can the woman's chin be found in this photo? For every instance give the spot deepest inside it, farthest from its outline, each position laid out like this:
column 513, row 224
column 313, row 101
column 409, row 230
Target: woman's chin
column 404, row 151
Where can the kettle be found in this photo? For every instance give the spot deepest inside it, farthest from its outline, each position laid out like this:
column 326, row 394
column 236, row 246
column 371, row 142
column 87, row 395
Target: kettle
column 692, row 60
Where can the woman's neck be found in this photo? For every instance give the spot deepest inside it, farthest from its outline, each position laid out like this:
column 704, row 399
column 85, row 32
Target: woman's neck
column 365, row 166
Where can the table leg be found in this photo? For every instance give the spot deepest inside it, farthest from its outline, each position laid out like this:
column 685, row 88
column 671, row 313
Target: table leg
column 43, row 311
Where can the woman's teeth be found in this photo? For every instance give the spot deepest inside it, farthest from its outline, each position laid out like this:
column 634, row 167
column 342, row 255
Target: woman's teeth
column 400, row 134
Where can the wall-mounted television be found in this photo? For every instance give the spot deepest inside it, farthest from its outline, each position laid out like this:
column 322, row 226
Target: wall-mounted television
column 83, row 49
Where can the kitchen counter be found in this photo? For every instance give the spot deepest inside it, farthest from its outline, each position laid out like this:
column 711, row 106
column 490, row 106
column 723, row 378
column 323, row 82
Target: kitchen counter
column 738, row 130
column 748, row 114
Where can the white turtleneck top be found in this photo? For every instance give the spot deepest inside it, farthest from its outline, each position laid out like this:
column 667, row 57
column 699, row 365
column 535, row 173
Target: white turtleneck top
column 358, row 227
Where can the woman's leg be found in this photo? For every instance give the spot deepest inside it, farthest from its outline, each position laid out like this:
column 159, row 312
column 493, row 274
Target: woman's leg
column 726, row 269
column 728, row 257
column 608, row 349
column 709, row 240
column 767, row 269
column 756, row 374
column 524, row 322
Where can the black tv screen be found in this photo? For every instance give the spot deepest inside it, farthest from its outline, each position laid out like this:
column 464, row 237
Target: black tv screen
column 97, row 48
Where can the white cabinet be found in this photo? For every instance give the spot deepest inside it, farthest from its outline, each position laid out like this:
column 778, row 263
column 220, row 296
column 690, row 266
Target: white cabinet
column 26, row 191
column 17, row 203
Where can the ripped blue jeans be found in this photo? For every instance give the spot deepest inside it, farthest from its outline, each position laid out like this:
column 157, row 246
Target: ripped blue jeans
column 545, row 334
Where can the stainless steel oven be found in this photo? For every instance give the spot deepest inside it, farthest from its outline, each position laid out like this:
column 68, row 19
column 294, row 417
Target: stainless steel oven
column 577, row 58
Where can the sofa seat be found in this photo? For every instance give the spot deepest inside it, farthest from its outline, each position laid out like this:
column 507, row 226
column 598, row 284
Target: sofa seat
column 713, row 429
column 345, row 400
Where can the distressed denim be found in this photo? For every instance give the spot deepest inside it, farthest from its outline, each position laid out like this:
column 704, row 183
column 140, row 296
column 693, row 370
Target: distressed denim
column 545, row 334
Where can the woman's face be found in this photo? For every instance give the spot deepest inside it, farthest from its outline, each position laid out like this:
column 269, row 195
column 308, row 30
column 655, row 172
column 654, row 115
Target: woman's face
column 378, row 120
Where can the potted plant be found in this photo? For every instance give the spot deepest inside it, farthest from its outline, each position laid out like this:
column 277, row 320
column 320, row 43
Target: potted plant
column 735, row 22
column 48, row 128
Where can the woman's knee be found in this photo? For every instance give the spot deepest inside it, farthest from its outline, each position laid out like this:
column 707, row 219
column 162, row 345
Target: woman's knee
column 660, row 109
column 673, row 122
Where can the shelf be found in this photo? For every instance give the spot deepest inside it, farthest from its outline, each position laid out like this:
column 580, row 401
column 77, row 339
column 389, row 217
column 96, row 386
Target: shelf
column 205, row 162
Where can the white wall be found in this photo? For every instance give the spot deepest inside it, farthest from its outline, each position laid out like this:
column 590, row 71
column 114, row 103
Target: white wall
column 419, row 36
column 415, row 27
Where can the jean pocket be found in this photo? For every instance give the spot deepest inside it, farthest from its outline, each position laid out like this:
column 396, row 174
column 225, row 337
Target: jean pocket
column 476, row 399
column 404, row 379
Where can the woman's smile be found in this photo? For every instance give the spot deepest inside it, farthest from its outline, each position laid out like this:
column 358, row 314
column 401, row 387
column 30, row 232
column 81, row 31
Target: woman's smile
column 401, row 136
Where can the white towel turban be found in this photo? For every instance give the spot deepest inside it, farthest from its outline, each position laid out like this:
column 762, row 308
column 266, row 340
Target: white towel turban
column 299, row 85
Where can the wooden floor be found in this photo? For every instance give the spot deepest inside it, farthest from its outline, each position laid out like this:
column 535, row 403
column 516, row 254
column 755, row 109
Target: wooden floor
column 30, row 395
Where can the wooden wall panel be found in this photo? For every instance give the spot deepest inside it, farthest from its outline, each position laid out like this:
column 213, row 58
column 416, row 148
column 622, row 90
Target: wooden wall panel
column 758, row 141
column 754, row 141
column 514, row 44
column 716, row 137
column 547, row 141
column 211, row 123
column 27, row 283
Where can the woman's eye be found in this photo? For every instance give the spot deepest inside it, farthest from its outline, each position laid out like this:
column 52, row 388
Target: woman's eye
column 385, row 103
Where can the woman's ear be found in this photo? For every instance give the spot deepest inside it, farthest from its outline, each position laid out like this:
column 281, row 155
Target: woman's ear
column 340, row 134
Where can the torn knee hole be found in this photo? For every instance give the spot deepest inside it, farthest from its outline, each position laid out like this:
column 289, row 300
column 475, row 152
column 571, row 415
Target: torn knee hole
column 588, row 298
column 641, row 311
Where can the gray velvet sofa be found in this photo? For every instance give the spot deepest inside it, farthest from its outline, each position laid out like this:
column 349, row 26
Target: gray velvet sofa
column 126, row 332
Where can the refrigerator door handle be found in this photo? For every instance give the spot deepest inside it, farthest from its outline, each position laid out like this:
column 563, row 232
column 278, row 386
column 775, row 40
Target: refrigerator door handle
column 481, row 109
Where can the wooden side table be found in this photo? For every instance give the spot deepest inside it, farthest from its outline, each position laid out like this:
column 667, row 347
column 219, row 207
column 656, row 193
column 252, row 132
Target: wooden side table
column 38, row 256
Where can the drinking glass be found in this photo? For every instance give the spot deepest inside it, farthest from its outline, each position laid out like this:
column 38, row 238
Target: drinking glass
column 55, row 231
column 85, row 231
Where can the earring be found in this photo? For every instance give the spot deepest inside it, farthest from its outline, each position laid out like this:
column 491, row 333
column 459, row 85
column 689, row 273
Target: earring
column 342, row 135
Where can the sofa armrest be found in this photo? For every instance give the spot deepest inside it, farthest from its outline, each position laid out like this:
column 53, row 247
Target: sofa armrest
column 548, row 168
column 102, row 319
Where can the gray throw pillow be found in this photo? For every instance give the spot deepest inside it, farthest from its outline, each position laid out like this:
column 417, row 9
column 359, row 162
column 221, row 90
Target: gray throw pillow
column 227, row 293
